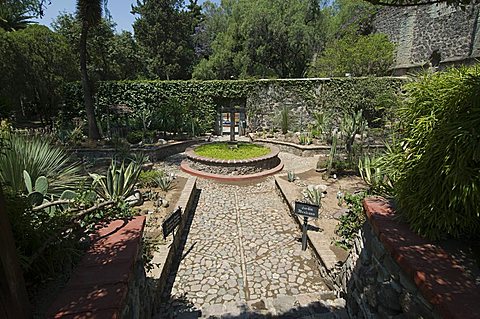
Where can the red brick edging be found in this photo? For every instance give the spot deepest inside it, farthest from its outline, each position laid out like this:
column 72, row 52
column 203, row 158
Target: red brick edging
column 440, row 279
column 99, row 285
column 229, row 178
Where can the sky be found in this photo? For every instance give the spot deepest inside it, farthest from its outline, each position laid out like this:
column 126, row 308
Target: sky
column 119, row 10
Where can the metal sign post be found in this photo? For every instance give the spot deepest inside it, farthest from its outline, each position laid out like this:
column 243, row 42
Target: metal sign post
column 304, row 235
column 172, row 221
column 306, row 210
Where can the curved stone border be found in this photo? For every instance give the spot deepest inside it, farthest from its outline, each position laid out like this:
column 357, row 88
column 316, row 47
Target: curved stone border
column 304, row 150
column 229, row 178
column 190, row 153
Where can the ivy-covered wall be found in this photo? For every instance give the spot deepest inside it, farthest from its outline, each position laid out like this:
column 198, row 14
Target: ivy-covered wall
column 180, row 103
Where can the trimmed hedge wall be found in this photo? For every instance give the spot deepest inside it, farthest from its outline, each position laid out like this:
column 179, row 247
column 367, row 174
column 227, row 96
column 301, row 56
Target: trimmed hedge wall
column 196, row 101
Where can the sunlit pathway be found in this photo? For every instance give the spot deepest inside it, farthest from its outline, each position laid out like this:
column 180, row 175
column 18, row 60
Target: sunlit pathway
column 243, row 254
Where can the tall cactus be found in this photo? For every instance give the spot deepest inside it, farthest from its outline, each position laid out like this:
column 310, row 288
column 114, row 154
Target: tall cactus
column 351, row 125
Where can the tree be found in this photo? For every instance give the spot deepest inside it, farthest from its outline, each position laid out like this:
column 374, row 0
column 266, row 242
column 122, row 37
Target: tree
column 15, row 15
column 90, row 13
column 263, row 39
column 357, row 55
column 111, row 56
column 164, row 30
column 125, row 57
column 34, row 63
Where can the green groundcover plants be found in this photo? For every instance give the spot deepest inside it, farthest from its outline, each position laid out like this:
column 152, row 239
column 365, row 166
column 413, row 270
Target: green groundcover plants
column 437, row 160
column 231, row 152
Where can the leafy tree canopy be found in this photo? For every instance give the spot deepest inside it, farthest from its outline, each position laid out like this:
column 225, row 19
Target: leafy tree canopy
column 164, row 29
column 111, row 56
column 262, row 38
column 34, row 63
column 356, row 55
column 16, row 14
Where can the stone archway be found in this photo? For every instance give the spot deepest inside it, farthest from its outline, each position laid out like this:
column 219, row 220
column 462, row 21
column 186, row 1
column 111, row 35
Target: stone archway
column 231, row 116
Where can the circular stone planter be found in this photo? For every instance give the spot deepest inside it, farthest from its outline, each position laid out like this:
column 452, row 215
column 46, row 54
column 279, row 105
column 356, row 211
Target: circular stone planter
column 232, row 170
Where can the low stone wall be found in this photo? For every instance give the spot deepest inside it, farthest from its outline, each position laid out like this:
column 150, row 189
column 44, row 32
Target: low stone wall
column 154, row 153
column 109, row 280
column 393, row 273
column 374, row 285
column 306, row 150
column 165, row 255
column 267, row 161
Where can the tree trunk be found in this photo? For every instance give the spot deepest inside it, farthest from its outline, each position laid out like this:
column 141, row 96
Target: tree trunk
column 13, row 295
column 93, row 132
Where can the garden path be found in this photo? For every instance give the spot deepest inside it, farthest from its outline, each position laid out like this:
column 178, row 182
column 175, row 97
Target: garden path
column 243, row 257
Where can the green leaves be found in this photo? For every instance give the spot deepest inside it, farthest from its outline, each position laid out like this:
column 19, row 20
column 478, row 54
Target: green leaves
column 357, row 55
column 37, row 157
column 119, row 181
column 435, row 163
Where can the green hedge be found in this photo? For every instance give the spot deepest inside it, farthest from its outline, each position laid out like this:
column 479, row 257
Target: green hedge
column 196, row 101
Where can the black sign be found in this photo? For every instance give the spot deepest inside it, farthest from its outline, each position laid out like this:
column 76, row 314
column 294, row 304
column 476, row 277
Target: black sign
column 171, row 222
column 307, row 210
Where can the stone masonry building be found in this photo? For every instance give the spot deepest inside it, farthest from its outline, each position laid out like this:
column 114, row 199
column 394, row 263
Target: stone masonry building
column 431, row 35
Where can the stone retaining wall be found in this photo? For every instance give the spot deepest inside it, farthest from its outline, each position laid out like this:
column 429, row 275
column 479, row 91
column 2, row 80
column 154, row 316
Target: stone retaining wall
column 154, row 153
column 107, row 283
column 419, row 31
column 308, row 150
column 374, row 285
column 393, row 273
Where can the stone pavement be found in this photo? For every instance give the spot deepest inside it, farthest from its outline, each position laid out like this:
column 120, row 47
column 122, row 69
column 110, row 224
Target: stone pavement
column 242, row 258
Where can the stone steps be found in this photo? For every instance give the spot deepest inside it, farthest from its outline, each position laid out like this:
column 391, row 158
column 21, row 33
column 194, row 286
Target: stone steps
column 313, row 305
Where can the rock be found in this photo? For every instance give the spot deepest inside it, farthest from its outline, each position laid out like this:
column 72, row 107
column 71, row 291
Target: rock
column 147, row 167
column 135, row 199
column 340, row 213
column 165, row 203
column 389, row 297
column 161, row 141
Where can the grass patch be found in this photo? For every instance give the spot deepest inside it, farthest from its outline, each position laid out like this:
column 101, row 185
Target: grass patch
column 227, row 151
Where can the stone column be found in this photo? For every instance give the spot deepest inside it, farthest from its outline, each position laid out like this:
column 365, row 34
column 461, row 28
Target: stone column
column 232, row 125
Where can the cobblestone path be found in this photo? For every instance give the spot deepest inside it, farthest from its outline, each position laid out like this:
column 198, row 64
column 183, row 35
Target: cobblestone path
column 242, row 252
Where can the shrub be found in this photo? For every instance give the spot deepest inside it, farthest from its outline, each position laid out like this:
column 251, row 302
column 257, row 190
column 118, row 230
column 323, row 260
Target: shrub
column 149, row 178
column 134, row 137
column 358, row 55
column 437, row 161
column 119, row 181
column 38, row 157
column 351, row 222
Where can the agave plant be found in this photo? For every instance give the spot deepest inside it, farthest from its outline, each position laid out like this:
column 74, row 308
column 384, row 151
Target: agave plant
column 38, row 157
column 373, row 175
column 291, row 176
column 314, row 196
column 119, row 182
column 165, row 183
